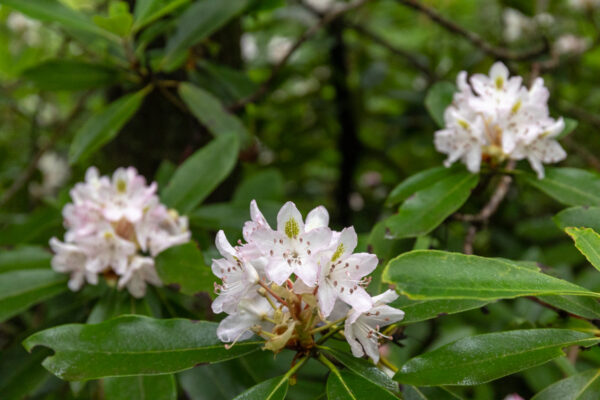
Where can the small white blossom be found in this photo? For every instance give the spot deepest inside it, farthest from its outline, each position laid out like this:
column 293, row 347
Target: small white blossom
column 251, row 312
column 278, row 48
column 116, row 225
column 362, row 329
column 570, row 44
column 249, row 47
column 28, row 28
column 494, row 117
column 55, row 173
column 584, row 5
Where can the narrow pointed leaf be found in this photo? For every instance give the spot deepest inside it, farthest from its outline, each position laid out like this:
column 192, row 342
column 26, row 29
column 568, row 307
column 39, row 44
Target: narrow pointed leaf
column 148, row 11
column 20, row 289
column 104, row 126
column 272, row 389
column 199, row 21
column 587, row 242
column 183, row 268
column 132, row 345
column 483, row 358
column 583, row 386
column 211, row 113
column 346, row 385
column 417, row 182
column 421, row 310
column 569, row 186
column 153, row 387
column 200, row 174
column 25, row 257
column 54, row 11
column 432, row 274
column 579, row 217
column 587, row 307
column 70, row 75
column 428, row 208
column 428, row 393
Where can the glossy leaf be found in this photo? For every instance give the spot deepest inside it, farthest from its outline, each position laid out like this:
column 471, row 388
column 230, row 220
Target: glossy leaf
column 132, row 345
column 272, row 389
column 199, row 21
column 154, row 387
column 569, row 186
column 201, row 173
column 438, row 99
column 70, row 75
column 421, row 310
column 583, row 386
column 25, row 257
column 579, row 217
column 54, row 11
column 346, row 385
column 428, row 393
column 364, row 368
column 417, row 182
column 587, row 242
column 148, row 11
column 21, row 289
column 483, row 358
column 104, row 126
column 211, row 113
column 587, row 307
column 431, row 274
column 183, row 268
column 428, row 208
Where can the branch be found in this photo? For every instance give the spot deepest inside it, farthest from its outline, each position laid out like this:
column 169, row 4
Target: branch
column 475, row 39
column 309, row 33
column 30, row 169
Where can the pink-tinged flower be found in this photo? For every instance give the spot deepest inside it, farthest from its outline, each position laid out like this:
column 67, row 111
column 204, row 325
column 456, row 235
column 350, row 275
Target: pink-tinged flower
column 70, row 259
column 362, row 330
column 252, row 312
column 130, row 195
column 238, row 277
column 292, row 249
column 140, row 271
column 341, row 275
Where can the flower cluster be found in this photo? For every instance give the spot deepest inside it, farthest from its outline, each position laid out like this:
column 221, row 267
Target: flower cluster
column 289, row 283
column 116, row 227
column 496, row 118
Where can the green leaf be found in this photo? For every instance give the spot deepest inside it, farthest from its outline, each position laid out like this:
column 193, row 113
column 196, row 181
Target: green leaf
column 70, row 75
column 570, row 126
column 132, row 345
column 483, row 358
column 53, row 11
column 432, row 274
column 421, row 310
column 25, row 257
column 34, row 227
column 267, row 184
column 104, row 126
column 21, row 372
column 199, row 21
column 438, row 98
column 586, row 307
column 272, row 389
column 428, row 208
column 346, row 385
column 428, row 393
column 157, row 387
column 21, row 289
column 417, row 182
column 583, row 386
column 148, row 11
column 211, row 113
column 364, row 368
column 183, row 267
column 587, row 242
column 200, row 174
column 569, row 186
column 580, row 217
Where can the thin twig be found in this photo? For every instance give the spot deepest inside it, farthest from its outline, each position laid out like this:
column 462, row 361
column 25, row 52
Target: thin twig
column 26, row 174
column 475, row 39
column 309, row 33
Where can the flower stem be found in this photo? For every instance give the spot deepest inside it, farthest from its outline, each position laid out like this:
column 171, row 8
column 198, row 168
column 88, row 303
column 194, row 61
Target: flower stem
column 329, row 365
column 332, row 332
column 388, row 364
column 329, row 325
column 272, row 293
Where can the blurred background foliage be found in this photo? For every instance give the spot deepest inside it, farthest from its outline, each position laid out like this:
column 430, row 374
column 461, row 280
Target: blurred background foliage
column 339, row 123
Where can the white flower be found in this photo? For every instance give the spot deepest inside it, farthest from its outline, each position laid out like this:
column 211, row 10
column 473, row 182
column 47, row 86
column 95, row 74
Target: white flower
column 292, row 249
column 141, row 270
column 71, row 259
column 341, row 275
column 238, row 276
column 114, row 224
column 249, row 47
column 55, row 173
column 494, row 117
column 584, row 5
column 251, row 312
column 571, row 44
column 278, row 48
column 25, row 26
column 515, row 23
column 362, row 329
